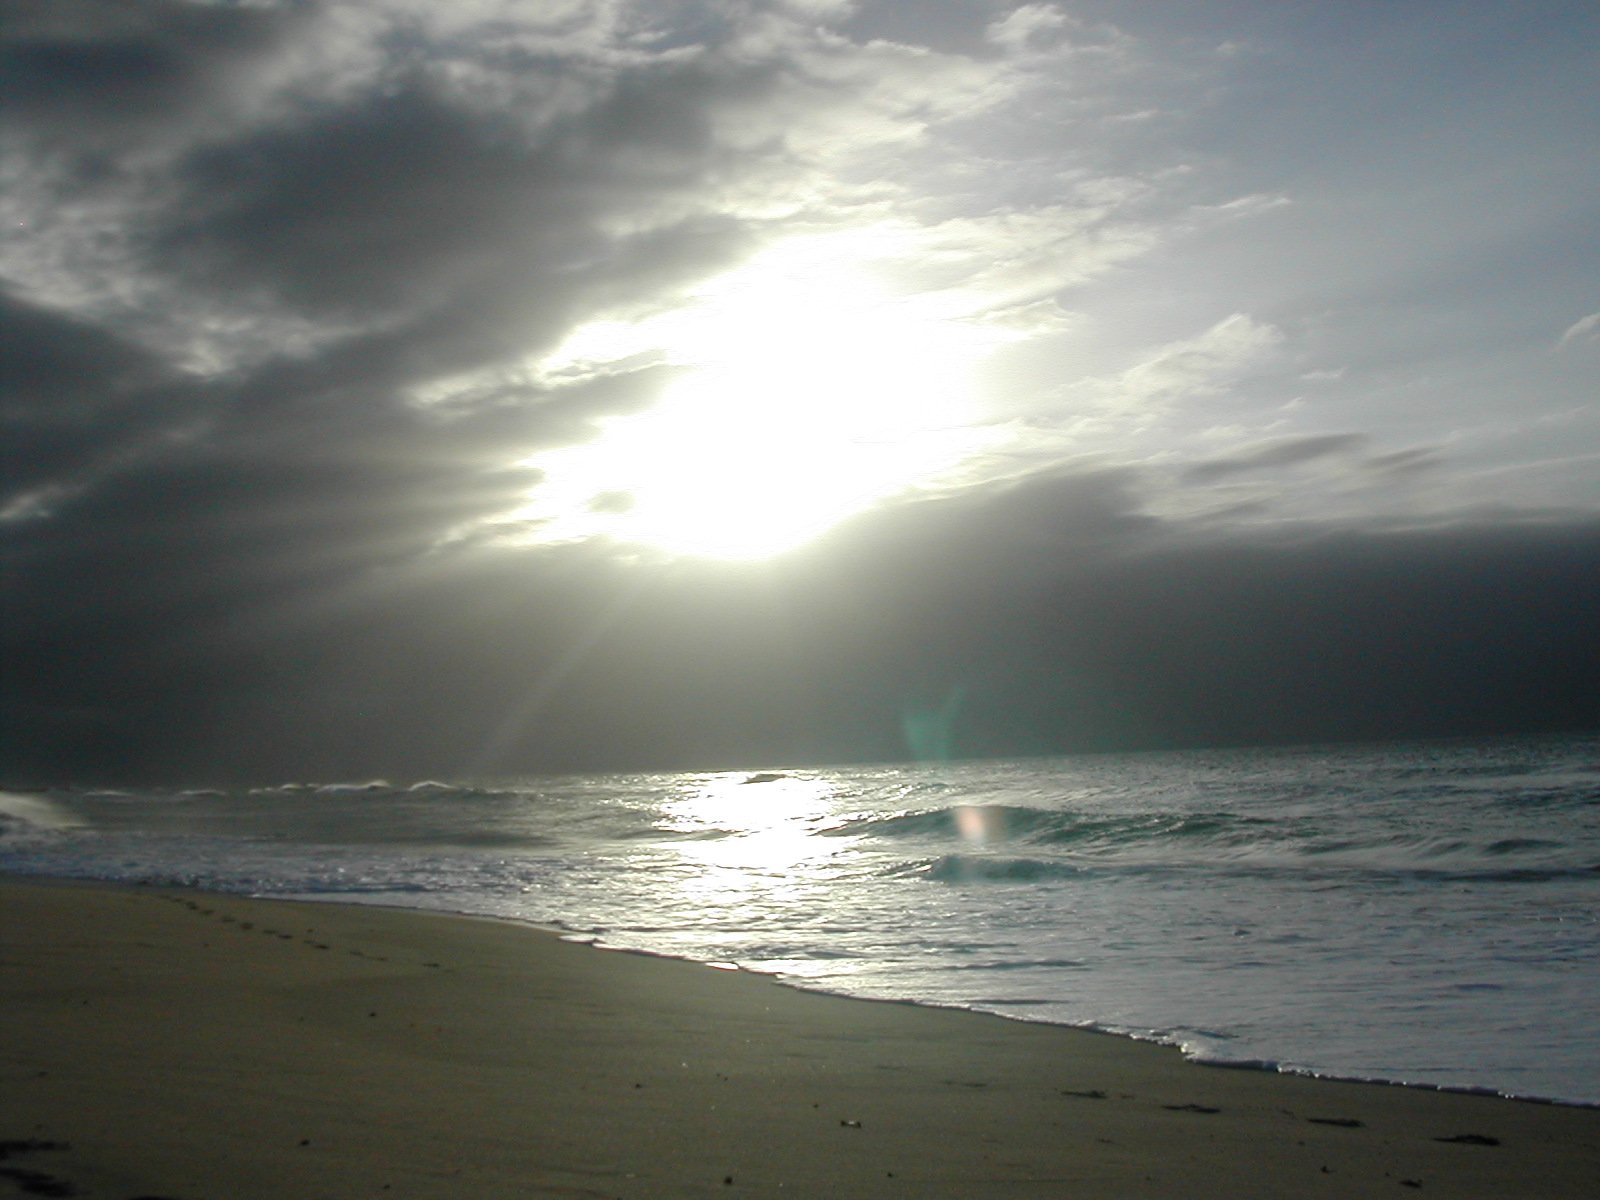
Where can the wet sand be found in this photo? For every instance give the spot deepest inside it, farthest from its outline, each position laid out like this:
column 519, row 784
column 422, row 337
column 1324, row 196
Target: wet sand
column 196, row 1047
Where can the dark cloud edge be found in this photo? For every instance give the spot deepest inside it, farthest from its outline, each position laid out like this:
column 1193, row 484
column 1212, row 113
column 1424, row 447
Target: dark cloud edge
column 1062, row 627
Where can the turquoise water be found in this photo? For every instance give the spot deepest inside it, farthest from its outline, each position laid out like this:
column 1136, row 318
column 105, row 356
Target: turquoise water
column 1425, row 913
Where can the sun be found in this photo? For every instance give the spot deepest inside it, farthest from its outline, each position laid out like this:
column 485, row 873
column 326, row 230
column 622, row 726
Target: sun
column 810, row 387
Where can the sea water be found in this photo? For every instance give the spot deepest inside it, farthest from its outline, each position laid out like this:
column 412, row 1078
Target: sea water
column 1422, row 913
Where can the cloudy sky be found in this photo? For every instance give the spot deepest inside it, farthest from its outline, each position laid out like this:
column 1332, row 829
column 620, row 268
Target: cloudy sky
column 404, row 388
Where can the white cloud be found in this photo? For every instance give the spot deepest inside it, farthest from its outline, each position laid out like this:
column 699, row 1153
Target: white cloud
column 1019, row 29
column 820, row 10
column 1135, row 414
column 1194, row 367
column 1586, row 330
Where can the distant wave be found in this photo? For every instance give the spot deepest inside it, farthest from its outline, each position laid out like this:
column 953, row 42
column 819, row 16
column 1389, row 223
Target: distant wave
column 981, row 868
column 1220, row 841
column 1050, row 826
column 378, row 789
column 22, row 815
column 990, row 821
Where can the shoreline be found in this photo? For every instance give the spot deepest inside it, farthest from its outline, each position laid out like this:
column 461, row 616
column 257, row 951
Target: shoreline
column 191, row 1044
column 593, row 941
column 590, row 940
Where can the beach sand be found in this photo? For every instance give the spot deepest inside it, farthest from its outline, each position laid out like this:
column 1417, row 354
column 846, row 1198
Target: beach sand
column 190, row 1046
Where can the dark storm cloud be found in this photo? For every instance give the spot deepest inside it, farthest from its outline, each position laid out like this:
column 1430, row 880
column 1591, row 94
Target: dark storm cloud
column 69, row 369
column 403, row 199
column 1061, row 638
column 366, row 208
column 75, row 402
column 93, row 69
column 265, row 395
column 296, row 464
column 1064, row 619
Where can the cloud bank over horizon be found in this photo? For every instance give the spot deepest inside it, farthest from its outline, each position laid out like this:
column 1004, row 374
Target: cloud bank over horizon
column 394, row 387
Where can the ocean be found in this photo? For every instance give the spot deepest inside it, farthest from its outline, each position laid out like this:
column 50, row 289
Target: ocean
column 1425, row 913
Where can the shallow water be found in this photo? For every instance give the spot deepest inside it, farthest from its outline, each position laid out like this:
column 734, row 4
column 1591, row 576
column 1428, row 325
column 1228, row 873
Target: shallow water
column 1424, row 913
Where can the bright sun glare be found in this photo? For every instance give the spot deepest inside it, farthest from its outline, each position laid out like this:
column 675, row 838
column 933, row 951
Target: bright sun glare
column 810, row 388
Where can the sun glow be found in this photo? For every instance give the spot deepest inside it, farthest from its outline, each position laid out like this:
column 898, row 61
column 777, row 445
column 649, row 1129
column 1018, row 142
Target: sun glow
column 810, row 388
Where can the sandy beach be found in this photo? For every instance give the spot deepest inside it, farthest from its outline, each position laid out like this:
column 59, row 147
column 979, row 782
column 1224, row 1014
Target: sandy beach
column 190, row 1046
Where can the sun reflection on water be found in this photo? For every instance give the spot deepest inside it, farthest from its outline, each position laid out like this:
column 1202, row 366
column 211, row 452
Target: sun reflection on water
column 749, row 842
